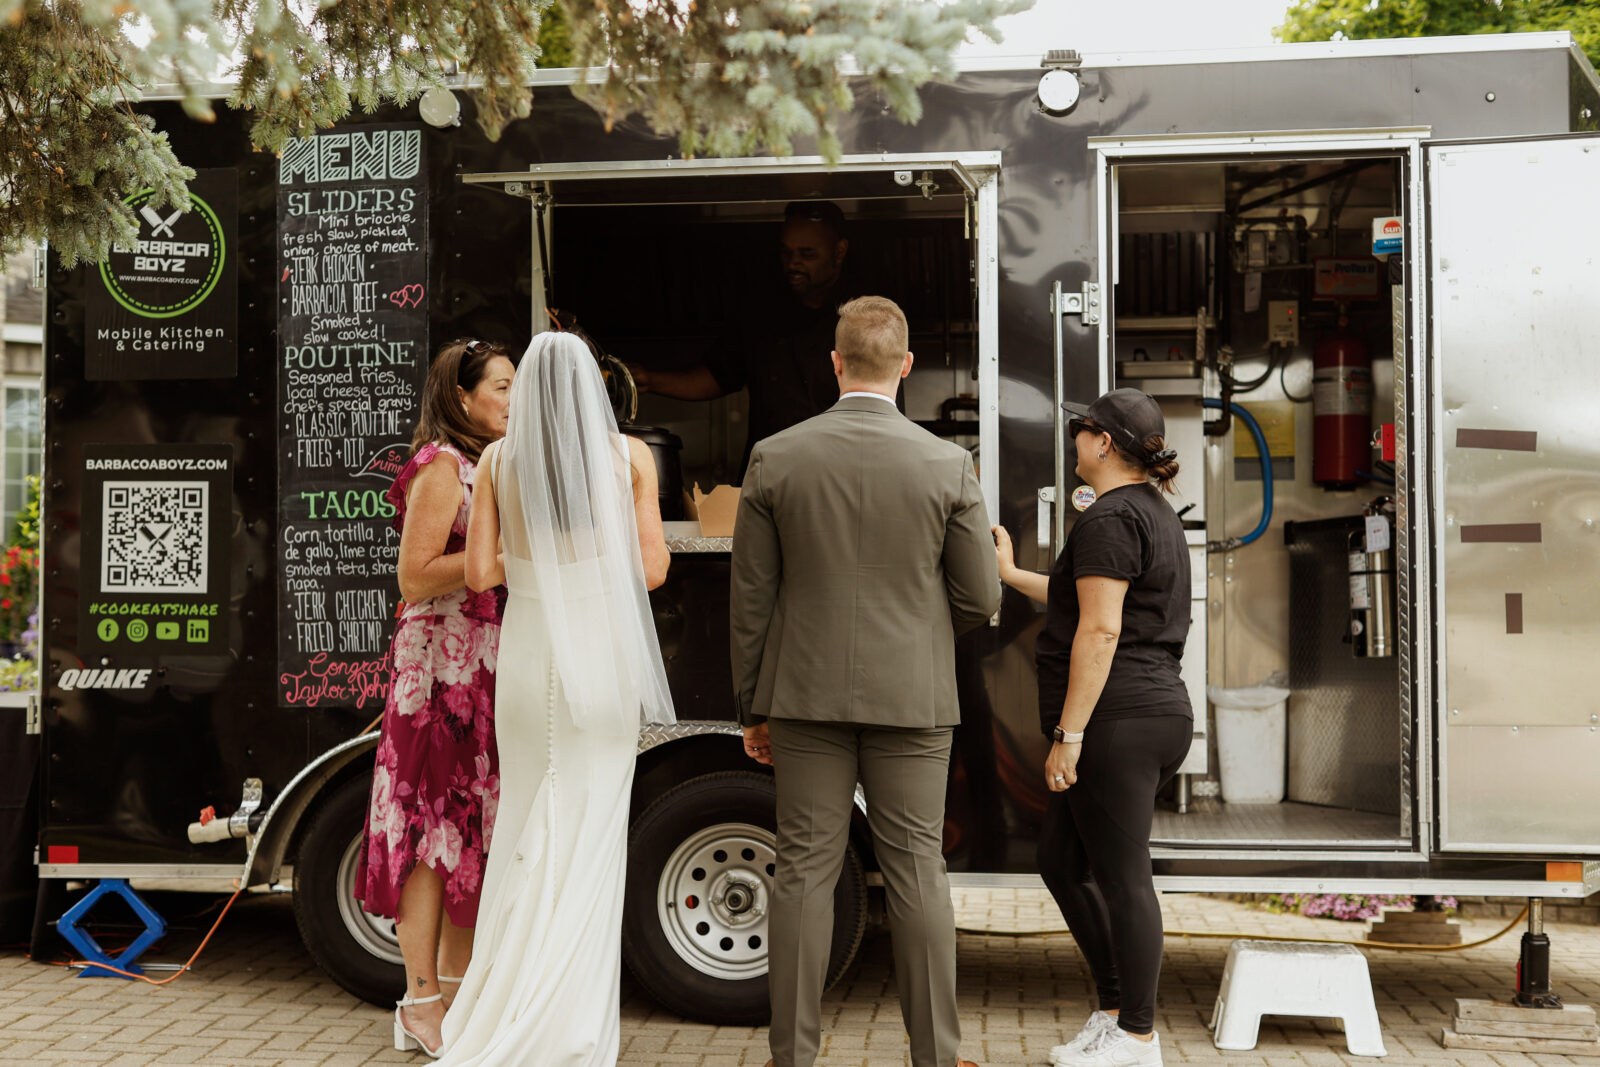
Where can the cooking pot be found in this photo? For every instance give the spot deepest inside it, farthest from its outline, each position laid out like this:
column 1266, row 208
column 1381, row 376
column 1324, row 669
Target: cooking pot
column 665, row 448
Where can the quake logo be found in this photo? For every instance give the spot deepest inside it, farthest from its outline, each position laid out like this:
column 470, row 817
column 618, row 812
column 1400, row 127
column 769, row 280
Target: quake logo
column 132, row 678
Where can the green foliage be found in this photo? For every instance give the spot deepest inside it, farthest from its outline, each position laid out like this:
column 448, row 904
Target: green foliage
column 1332, row 20
column 70, row 146
column 555, row 38
column 734, row 77
column 25, row 531
column 725, row 76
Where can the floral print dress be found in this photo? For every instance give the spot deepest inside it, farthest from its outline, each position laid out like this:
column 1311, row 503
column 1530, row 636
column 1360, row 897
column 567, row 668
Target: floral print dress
column 436, row 783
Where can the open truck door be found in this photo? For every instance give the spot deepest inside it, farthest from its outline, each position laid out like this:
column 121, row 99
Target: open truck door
column 1514, row 356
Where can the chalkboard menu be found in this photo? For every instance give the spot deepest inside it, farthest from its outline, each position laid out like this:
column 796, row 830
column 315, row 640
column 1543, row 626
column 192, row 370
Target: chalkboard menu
column 352, row 357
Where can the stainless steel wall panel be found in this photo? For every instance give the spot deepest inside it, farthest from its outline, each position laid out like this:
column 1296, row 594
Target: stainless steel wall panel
column 1523, row 788
column 1344, row 712
column 1515, row 349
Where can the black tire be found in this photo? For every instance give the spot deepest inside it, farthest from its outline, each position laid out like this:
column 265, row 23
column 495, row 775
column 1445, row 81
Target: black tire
column 357, row 950
column 718, row 975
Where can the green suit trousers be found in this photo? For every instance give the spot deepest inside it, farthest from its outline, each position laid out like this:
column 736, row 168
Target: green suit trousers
column 903, row 773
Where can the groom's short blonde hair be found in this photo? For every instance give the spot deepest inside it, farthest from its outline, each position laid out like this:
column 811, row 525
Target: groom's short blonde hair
column 871, row 338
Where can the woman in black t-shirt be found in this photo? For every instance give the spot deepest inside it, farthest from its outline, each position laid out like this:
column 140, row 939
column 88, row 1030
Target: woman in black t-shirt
column 1111, row 697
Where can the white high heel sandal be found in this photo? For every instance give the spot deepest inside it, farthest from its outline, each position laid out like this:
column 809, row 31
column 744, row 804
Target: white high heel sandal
column 404, row 1039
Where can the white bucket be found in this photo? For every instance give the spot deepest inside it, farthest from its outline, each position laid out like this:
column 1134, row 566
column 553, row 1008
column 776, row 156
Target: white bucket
column 1251, row 738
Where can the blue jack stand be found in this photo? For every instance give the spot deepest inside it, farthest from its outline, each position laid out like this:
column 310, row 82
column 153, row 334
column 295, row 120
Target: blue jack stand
column 154, row 927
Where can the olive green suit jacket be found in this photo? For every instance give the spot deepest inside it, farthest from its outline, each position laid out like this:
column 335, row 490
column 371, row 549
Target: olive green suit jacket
column 861, row 549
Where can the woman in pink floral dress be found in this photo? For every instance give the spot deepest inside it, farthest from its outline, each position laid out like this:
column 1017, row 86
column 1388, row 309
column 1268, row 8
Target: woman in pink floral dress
column 436, row 781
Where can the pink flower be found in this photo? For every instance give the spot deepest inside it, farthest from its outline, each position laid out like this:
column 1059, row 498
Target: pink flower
column 459, row 700
column 411, row 640
column 455, row 650
column 441, row 845
column 412, row 687
column 468, row 872
column 382, row 800
column 490, row 646
column 486, row 787
column 397, row 864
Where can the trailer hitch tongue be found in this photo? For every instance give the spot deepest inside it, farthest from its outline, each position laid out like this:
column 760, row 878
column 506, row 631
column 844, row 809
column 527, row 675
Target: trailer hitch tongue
column 246, row 820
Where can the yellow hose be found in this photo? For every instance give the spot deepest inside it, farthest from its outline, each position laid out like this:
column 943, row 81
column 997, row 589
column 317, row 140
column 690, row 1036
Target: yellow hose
column 1259, row 937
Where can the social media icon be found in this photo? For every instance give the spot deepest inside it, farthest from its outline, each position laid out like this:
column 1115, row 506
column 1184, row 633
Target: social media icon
column 138, row 629
column 107, row 630
column 168, row 631
column 199, row 631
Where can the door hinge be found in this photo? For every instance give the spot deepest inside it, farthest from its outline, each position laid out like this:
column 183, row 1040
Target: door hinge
column 41, row 259
column 34, row 724
column 1085, row 302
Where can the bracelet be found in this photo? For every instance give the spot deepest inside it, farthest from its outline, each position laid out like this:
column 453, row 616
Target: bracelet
column 1061, row 737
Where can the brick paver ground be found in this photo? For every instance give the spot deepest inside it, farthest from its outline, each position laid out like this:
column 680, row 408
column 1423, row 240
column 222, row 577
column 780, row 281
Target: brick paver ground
column 256, row 998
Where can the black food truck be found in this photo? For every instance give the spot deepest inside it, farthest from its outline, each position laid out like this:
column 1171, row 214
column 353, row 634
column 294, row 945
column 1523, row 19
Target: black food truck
column 1358, row 276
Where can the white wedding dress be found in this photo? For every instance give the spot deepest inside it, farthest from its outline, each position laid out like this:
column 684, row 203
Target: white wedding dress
column 543, row 987
column 579, row 666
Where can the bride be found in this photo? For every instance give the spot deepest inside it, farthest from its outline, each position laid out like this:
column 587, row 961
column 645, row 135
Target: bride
column 568, row 520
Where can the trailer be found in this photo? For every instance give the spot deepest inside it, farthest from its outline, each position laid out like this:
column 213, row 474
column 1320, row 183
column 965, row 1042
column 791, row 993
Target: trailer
column 1356, row 275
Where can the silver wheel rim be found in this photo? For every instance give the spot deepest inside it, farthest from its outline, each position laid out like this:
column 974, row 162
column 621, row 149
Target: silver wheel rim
column 713, row 900
column 371, row 932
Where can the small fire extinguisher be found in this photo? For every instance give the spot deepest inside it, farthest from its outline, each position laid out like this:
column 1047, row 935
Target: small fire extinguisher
column 1372, row 588
column 1341, row 406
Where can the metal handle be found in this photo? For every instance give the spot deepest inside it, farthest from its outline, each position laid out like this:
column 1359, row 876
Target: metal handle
column 1058, row 308
column 1047, row 497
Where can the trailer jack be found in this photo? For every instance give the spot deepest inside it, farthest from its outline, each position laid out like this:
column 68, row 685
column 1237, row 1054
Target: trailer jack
column 1533, row 968
column 98, row 962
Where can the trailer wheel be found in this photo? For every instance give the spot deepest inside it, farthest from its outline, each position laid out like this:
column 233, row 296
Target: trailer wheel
column 694, row 923
column 359, row 951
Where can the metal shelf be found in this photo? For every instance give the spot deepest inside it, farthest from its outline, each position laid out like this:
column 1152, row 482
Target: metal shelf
column 1149, row 369
column 1163, row 323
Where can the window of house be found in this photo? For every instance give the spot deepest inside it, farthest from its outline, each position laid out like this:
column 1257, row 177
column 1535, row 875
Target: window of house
column 23, row 449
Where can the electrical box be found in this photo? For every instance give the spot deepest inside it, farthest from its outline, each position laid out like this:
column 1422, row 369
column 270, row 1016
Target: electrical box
column 1283, row 322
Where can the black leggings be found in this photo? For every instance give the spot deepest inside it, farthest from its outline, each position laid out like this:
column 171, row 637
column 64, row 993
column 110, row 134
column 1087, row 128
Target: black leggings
column 1094, row 854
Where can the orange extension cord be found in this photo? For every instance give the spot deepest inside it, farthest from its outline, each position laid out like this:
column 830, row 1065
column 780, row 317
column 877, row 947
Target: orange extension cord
column 1234, row 936
column 179, row 973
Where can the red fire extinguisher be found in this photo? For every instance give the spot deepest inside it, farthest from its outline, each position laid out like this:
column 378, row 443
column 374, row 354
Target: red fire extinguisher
column 1342, row 409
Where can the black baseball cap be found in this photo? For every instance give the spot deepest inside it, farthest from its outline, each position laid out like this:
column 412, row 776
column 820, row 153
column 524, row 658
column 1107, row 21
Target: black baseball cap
column 1131, row 418
column 823, row 211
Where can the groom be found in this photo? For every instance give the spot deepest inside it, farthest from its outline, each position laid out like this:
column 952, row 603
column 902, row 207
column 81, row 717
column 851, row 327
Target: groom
column 862, row 548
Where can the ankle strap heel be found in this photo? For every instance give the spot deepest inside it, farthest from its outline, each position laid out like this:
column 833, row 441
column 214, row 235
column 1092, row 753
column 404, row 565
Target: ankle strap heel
column 404, row 1039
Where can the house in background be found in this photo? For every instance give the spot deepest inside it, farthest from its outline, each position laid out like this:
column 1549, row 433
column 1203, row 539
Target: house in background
column 22, row 357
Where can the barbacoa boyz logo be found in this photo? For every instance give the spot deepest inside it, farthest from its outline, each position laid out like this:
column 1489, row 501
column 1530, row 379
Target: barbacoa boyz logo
column 166, row 306
column 174, row 265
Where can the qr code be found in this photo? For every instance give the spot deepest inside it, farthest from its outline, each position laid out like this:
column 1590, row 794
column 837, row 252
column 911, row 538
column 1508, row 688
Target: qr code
column 155, row 537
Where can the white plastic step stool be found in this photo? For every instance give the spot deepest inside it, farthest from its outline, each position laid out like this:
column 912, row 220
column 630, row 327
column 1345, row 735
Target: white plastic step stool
column 1291, row 978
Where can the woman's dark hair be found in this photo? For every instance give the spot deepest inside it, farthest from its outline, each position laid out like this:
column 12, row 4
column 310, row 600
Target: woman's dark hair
column 461, row 363
column 1159, row 463
column 1162, row 466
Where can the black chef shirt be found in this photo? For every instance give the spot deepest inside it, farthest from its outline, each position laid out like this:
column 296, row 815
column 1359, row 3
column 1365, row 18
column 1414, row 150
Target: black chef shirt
column 1132, row 534
column 781, row 353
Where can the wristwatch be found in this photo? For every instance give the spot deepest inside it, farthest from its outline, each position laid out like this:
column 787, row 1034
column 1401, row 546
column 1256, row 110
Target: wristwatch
column 1061, row 737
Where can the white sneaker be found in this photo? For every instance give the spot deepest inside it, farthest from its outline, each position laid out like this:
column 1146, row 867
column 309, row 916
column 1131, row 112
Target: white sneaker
column 1097, row 1023
column 1117, row 1048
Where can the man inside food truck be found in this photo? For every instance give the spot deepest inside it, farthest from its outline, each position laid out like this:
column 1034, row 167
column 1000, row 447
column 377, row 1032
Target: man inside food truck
column 780, row 352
